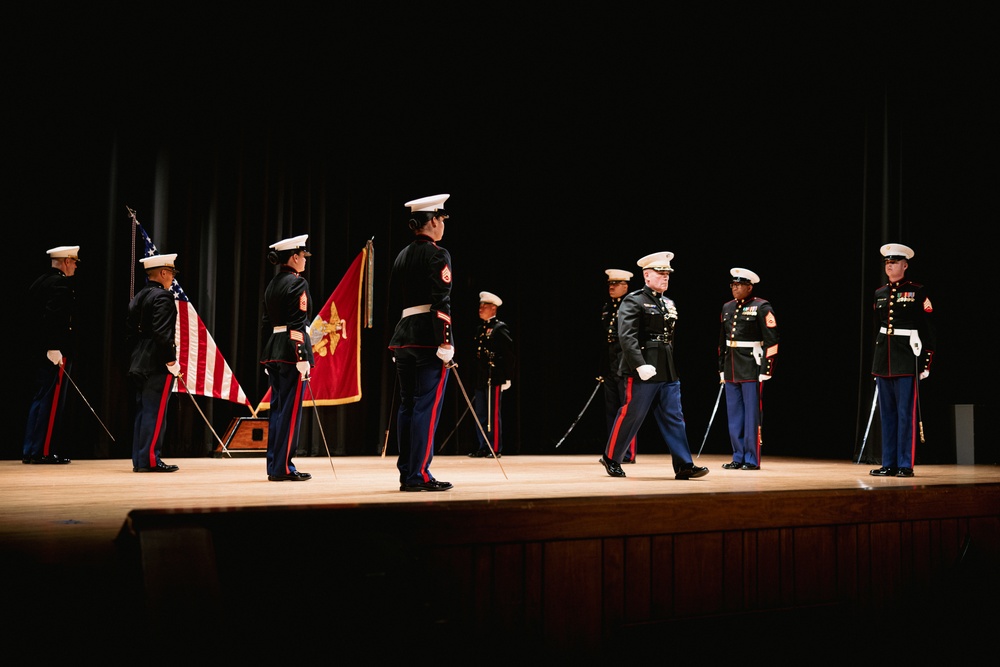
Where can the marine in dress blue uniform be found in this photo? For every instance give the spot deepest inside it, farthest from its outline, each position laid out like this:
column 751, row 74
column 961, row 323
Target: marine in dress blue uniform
column 646, row 323
column 904, row 350
column 612, row 379
column 151, row 331
column 494, row 373
column 748, row 346
column 287, row 355
column 52, row 308
column 421, row 343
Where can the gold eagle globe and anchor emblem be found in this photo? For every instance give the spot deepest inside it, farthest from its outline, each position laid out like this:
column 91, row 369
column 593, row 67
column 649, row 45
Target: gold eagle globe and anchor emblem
column 326, row 335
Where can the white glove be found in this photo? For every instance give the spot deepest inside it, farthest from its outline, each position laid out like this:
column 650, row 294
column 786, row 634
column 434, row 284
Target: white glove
column 303, row 368
column 445, row 354
column 55, row 356
column 646, row 371
column 722, row 377
column 505, row 386
column 763, row 378
column 174, row 368
column 924, row 375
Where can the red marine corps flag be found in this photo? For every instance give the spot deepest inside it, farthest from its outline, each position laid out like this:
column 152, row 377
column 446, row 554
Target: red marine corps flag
column 335, row 332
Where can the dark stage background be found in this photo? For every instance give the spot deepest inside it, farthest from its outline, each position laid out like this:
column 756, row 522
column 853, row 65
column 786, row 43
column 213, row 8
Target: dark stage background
column 794, row 145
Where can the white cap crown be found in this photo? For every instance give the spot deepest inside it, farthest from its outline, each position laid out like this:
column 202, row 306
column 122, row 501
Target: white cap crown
column 64, row 251
column 156, row 261
column 658, row 261
column 433, row 203
column 896, row 251
column 489, row 297
column 745, row 276
column 294, row 243
column 616, row 275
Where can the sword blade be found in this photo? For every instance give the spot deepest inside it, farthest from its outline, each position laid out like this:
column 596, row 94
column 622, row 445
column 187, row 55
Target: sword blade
column 452, row 366
column 711, row 419
column 72, row 382
column 320, row 424
column 586, row 405
column 871, row 416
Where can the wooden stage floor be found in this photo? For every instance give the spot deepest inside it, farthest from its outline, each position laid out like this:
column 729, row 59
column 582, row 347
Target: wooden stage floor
column 83, row 505
column 62, row 512
column 60, row 526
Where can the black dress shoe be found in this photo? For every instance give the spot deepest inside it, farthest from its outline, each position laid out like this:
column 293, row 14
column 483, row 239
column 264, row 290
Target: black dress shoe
column 159, row 467
column 51, row 459
column 732, row 465
column 905, row 472
column 433, row 485
column 294, row 476
column 628, row 461
column 612, row 467
column 749, row 466
column 481, row 454
column 883, row 472
column 691, row 472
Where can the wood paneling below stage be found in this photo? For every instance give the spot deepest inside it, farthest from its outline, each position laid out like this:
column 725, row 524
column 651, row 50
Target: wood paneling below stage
column 583, row 574
column 551, row 555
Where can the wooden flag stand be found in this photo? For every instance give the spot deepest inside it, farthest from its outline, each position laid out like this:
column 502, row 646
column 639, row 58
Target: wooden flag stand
column 246, row 436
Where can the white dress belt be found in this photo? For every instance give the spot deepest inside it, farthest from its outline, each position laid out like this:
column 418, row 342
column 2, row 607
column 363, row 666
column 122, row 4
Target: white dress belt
column 280, row 329
column 898, row 332
column 743, row 343
column 416, row 310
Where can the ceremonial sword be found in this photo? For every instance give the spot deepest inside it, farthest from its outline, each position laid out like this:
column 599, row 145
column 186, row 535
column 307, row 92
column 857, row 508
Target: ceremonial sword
column 320, row 424
column 452, row 366
column 600, row 381
column 66, row 373
column 711, row 419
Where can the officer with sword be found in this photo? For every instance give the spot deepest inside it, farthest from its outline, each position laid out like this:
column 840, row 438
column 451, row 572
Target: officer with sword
column 612, row 378
column 421, row 344
column 52, row 300
column 494, row 371
column 748, row 346
column 904, row 349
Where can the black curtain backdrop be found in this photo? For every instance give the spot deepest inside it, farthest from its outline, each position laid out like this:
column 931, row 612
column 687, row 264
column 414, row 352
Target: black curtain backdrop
column 570, row 143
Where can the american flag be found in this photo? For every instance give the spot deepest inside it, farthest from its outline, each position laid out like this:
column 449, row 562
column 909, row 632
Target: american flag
column 204, row 370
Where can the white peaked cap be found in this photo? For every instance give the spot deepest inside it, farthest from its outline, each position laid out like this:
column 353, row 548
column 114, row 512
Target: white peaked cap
column 744, row 276
column 618, row 274
column 433, row 203
column 156, row 261
column 64, row 251
column 896, row 251
column 489, row 297
column 294, row 243
column 658, row 261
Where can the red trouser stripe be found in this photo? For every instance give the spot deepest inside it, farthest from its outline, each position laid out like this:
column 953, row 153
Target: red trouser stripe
column 618, row 420
column 52, row 411
column 914, row 422
column 429, row 449
column 296, row 401
column 159, row 419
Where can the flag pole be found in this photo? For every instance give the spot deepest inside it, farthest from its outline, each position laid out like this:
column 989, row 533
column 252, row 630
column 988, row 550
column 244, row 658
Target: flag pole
column 369, row 281
column 131, row 268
